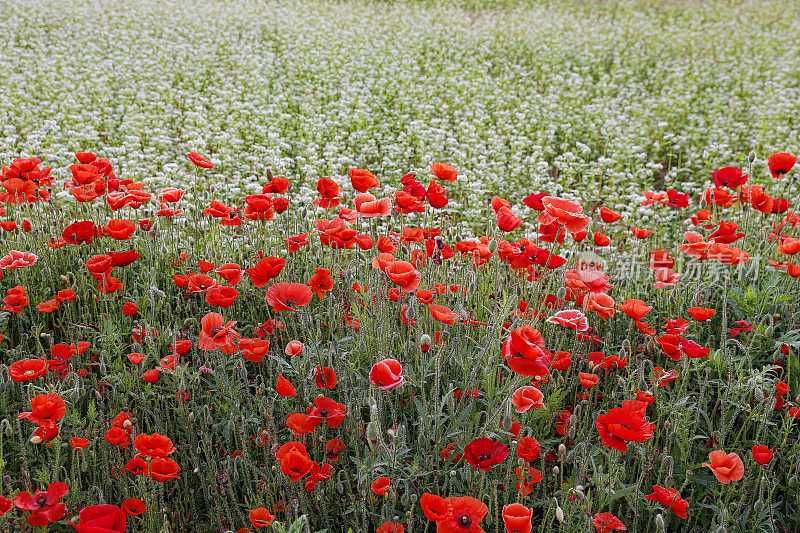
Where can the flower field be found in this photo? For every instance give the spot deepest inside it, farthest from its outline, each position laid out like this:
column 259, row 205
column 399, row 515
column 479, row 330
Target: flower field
column 358, row 267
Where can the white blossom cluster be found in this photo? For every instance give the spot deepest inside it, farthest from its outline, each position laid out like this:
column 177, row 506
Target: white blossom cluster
column 595, row 101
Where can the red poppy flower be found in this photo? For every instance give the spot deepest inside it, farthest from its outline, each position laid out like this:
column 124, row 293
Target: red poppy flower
column 260, row 517
column 321, row 282
column 507, row 220
column 254, row 350
column 527, row 398
column 485, row 453
column 328, row 410
column 443, row 314
column 444, row 172
column 45, row 408
column 588, row 380
column 525, row 353
column 100, row 519
column 726, row 467
column 216, row 334
column 333, row 448
column 700, row 313
column 380, row 486
column 154, row 445
column 621, row 425
column 730, row 177
column 221, row 296
column 606, row 522
column 517, row 518
column 670, row 499
column 362, row 180
column 230, row 272
column 635, row 309
column 44, row 505
column 435, row 507
column 762, row 454
column 27, row 369
column 133, row 507
column 404, row 274
column 265, row 270
column 601, row 303
column 781, row 163
column 164, row 469
column 286, row 296
column 324, row 377
column 78, row 443
column 465, row 516
column 528, row 449
column 386, row 374
column 79, row 232
column 120, row 230
column 390, row 527
column 295, row 464
column 129, row 309
column 199, row 160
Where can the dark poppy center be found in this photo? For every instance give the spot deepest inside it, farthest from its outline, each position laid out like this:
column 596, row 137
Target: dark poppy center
column 485, row 456
column 323, row 412
column 41, row 501
column 215, row 331
column 464, row 520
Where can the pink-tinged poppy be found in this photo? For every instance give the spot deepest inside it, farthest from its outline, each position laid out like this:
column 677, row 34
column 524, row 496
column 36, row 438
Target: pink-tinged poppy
column 671, row 499
column 485, row 453
column 726, row 467
column 527, row 398
column 44, row 505
column 386, row 374
column 287, row 296
column 565, row 212
column 294, row 348
column 16, row 259
column 443, row 314
column 570, row 318
column 199, row 160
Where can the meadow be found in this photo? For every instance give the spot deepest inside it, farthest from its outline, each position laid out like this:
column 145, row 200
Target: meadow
column 418, row 266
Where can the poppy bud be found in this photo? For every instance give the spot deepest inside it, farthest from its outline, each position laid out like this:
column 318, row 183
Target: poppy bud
column 425, row 342
column 555, row 470
column 36, row 439
column 793, row 482
column 26, row 224
column 562, row 451
column 492, row 246
column 751, row 156
column 758, row 394
column 621, row 381
column 769, row 331
column 372, row 432
column 660, row 525
column 561, row 293
column 560, row 515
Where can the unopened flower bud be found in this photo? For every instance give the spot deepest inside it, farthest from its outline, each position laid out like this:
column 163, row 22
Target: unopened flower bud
column 751, row 156
column 560, row 515
column 562, row 451
column 372, row 431
column 660, row 525
column 492, row 246
column 555, row 470
column 36, row 439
